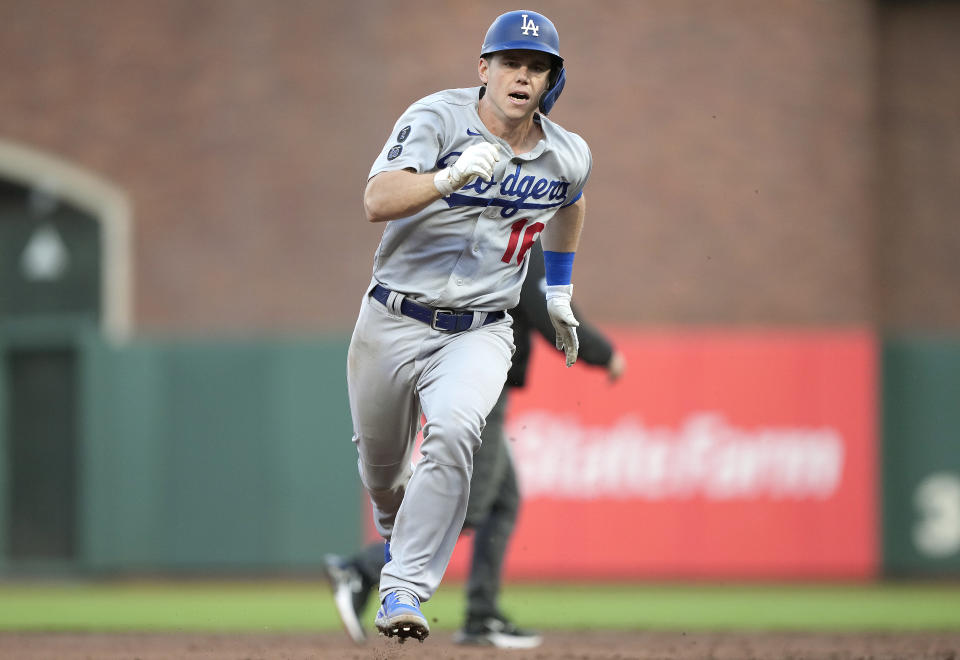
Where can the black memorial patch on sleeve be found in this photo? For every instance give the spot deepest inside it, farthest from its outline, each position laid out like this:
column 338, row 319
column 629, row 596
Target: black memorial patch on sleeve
column 402, row 135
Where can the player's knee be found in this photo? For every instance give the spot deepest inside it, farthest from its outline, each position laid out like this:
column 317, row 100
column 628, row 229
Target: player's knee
column 452, row 440
column 387, row 498
column 384, row 478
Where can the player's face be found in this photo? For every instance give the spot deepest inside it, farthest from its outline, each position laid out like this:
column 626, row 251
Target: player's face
column 515, row 81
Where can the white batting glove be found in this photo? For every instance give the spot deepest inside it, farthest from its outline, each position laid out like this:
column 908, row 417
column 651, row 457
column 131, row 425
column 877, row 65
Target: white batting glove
column 564, row 323
column 476, row 160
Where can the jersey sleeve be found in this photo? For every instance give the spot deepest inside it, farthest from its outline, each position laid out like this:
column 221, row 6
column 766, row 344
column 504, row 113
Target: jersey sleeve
column 583, row 160
column 414, row 143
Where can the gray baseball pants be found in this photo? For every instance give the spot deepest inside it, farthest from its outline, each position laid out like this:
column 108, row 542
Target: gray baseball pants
column 398, row 367
column 491, row 513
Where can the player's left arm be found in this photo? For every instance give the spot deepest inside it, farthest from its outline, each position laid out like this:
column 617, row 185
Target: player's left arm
column 560, row 239
column 562, row 233
column 595, row 348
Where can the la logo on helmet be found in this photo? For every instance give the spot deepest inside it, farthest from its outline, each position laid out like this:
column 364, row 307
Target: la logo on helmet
column 529, row 27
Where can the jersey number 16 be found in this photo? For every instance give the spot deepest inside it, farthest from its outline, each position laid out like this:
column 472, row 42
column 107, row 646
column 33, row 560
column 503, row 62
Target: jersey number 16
column 529, row 236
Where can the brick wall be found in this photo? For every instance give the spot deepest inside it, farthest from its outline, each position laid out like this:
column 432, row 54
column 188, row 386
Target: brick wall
column 918, row 278
column 747, row 153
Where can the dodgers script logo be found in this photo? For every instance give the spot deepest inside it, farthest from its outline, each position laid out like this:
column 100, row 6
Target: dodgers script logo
column 529, row 27
column 513, row 193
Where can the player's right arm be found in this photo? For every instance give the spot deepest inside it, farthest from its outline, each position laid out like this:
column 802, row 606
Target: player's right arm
column 398, row 194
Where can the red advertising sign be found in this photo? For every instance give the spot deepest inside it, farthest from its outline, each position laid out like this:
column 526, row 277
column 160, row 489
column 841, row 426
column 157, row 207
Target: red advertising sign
column 719, row 454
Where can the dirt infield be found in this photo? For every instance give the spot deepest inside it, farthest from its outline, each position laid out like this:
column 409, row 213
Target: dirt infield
column 592, row 645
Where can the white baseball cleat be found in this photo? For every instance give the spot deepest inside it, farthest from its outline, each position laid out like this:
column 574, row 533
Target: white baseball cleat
column 497, row 632
column 349, row 596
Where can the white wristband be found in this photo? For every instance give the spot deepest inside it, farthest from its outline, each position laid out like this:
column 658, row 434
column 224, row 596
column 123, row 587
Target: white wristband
column 441, row 181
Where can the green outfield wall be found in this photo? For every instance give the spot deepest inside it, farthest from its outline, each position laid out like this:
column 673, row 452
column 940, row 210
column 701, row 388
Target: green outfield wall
column 225, row 455
column 921, row 457
column 234, row 455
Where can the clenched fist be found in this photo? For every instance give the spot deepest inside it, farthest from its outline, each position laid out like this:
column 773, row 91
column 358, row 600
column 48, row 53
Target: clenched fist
column 476, row 160
column 564, row 322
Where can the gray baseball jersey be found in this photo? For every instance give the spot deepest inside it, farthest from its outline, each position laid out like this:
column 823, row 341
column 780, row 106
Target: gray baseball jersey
column 466, row 251
column 469, row 249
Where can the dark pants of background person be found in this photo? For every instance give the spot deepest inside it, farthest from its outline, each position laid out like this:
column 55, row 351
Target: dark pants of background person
column 491, row 514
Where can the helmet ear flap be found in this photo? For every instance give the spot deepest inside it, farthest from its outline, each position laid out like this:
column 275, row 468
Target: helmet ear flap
column 552, row 94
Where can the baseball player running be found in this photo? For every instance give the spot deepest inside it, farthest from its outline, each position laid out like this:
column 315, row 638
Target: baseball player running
column 494, row 493
column 467, row 181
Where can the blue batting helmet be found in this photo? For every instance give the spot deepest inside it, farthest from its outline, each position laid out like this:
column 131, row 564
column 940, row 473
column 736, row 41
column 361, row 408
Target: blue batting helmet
column 528, row 30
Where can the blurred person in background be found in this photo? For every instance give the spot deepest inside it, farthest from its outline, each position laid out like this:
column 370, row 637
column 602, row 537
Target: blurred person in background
column 494, row 495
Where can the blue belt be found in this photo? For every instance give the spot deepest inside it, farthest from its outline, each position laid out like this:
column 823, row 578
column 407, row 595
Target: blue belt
column 445, row 320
